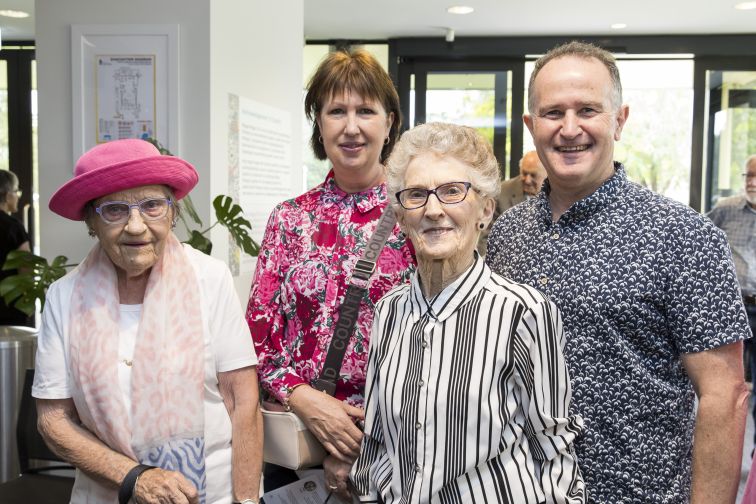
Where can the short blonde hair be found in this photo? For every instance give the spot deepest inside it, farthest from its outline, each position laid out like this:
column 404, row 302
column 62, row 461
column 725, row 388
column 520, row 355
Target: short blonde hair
column 461, row 142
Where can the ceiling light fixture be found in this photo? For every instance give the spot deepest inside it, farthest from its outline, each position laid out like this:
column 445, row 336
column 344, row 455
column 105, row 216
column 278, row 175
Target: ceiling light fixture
column 745, row 5
column 14, row 14
column 619, row 26
column 459, row 9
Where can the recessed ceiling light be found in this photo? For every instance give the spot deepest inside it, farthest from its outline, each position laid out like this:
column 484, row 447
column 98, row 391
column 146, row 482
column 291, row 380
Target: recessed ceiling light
column 618, row 26
column 459, row 9
column 745, row 5
column 14, row 14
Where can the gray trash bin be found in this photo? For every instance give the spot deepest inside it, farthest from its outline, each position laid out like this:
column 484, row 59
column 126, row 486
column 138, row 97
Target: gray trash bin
column 17, row 348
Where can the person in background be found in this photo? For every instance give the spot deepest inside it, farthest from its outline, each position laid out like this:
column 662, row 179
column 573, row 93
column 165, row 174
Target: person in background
column 516, row 190
column 736, row 216
column 653, row 315
column 309, row 251
column 13, row 236
column 524, row 186
column 145, row 374
column 468, row 392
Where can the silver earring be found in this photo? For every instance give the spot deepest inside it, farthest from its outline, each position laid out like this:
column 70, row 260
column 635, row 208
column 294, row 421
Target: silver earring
column 386, row 142
column 320, row 139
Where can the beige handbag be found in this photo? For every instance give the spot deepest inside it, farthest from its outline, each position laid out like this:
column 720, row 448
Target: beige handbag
column 288, row 443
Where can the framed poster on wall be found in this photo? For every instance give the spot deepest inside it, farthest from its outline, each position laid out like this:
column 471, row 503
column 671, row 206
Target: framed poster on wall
column 124, row 84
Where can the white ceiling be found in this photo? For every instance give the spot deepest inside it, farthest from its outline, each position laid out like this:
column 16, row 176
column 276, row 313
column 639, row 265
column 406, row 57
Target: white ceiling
column 382, row 19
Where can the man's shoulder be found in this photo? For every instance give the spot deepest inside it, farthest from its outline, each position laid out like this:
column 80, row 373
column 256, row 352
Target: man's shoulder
column 521, row 216
column 655, row 209
column 729, row 204
column 511, row 183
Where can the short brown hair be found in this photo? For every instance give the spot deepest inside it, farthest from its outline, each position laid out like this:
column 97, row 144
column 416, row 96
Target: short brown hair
column 579, row 50
column 359, row 72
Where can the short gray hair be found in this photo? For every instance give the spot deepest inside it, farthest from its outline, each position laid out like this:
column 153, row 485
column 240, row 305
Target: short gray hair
column 461, row 142
column 8, row 181
column 579, row 50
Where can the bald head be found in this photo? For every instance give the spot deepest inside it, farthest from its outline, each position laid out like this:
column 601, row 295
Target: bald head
column 532, row 173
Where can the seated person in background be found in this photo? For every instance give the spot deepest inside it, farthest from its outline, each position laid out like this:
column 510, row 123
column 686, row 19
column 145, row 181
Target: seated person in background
column 12, row 237
column 516, row 190
column 467, row 392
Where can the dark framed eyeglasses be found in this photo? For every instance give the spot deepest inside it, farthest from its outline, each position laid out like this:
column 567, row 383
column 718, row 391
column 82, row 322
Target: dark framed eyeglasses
column 117, row 212
column 448, row 194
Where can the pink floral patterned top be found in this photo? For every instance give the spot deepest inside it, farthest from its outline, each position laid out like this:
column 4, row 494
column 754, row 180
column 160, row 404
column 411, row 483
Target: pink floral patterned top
column 310, row 247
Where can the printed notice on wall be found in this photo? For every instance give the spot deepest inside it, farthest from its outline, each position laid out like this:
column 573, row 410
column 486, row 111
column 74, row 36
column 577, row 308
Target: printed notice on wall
column 125, row 101
column 260, row 170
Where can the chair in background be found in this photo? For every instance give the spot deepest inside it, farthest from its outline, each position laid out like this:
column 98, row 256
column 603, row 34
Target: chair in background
column 35, row 485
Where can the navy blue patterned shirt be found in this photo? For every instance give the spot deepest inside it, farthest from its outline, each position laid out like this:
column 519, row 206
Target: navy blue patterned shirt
column 640, row 280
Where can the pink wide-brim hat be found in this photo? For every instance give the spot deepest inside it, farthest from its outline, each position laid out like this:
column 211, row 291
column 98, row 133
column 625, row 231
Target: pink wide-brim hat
column 117, row 166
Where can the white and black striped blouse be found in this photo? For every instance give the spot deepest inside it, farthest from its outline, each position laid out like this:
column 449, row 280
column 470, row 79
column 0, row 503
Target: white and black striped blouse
column 467, row 398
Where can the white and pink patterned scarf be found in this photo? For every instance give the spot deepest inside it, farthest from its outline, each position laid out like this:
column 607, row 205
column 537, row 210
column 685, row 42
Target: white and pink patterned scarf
column 167, row 385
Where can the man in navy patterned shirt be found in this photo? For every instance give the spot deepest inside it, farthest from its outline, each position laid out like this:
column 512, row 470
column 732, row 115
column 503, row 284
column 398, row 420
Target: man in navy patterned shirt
column 652, row 310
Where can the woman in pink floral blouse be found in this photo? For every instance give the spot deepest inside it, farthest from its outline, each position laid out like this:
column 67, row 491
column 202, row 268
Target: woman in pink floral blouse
column 310, row 247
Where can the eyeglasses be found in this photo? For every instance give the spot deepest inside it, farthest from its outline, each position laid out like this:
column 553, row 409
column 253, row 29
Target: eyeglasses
column 749, row 176
column 117, row 212
column 449, row 194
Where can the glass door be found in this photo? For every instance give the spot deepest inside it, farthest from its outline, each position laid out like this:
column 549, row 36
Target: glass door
column 725, row 125
column 483, row 95
column 731, row 131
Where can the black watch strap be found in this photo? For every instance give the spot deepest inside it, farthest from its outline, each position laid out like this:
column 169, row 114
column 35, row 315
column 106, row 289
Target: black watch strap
column 127, row 485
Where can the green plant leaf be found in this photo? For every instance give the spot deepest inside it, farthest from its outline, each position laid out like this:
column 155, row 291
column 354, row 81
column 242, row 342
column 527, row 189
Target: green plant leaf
column 200, row 242
column 158, row 146
column 231, row 216
column 188, row 208
column 33, row 278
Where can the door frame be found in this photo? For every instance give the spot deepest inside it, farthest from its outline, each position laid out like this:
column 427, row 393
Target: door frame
column 701, row 174
column 420, row 67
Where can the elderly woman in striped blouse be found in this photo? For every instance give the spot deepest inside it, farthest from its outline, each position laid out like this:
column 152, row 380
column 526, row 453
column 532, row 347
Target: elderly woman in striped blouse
column 467, row 388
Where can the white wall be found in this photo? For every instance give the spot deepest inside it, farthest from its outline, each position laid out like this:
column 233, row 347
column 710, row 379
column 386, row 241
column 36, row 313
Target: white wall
column 263, row 63
column 247, row 47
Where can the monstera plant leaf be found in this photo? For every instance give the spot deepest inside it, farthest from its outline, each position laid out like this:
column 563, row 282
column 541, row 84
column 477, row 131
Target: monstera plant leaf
column 200, row 242
column 188, row 209
column 231, row 216
column 34, row 276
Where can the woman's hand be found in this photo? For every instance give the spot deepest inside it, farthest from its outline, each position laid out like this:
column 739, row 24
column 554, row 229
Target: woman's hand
column 330, row 420
column 337, row 477
column 158, row 486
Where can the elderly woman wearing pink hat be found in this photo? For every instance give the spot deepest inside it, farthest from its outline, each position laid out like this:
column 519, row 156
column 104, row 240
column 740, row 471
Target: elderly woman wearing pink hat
column 145, row 367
